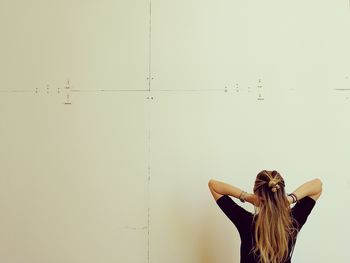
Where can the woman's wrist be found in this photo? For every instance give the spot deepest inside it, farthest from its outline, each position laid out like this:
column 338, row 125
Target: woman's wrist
column 251, row 198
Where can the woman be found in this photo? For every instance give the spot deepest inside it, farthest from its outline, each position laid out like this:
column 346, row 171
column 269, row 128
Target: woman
column 268, row 235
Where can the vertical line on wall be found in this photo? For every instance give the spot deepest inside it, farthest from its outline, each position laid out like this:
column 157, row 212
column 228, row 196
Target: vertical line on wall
column 150, row 45
column 149, row 133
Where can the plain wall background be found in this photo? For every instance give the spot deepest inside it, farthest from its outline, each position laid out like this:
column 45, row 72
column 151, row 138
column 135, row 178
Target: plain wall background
column 114, row 115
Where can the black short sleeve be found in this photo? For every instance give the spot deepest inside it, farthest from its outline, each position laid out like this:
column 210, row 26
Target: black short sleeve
column 302, row 209
column 240, row 217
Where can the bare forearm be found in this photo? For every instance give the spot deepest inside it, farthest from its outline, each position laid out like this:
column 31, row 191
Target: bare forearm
column 227, row 189
column 309, row 188
column 224, row 188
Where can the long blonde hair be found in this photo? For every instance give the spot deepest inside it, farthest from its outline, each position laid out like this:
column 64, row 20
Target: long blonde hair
column 274, row 225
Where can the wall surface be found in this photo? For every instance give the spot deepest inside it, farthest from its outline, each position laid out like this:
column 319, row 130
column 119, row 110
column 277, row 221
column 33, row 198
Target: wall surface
column 114, row 115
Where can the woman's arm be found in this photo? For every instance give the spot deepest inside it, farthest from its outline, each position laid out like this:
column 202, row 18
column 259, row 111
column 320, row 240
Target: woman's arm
column 312, row 188
column 226, row 189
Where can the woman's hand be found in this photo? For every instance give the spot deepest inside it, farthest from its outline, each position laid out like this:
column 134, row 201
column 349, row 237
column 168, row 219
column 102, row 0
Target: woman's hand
column 290, row 199
column 253, row 199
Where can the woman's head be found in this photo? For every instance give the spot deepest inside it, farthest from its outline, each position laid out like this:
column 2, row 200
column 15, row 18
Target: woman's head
column 269, row 186
column 273, row 223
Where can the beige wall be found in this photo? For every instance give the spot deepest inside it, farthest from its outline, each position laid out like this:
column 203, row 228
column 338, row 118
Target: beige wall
column 102, row 169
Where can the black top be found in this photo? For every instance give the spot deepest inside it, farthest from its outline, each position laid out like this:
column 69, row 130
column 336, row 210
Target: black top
column 243, row 220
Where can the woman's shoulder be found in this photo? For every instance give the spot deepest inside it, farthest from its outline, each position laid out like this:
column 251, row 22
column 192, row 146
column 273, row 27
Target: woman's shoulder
column 302, row 209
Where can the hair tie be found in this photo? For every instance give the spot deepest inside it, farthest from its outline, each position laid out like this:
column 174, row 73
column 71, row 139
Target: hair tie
column 274, row 186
